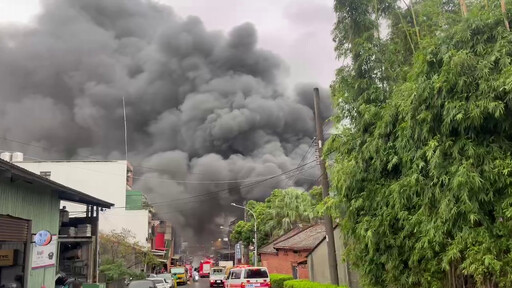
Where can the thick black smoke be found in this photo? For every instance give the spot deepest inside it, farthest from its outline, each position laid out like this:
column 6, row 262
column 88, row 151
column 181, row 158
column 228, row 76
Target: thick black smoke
column 202, row 105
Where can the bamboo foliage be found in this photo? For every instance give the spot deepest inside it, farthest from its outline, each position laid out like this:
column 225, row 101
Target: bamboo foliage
column 421, row 169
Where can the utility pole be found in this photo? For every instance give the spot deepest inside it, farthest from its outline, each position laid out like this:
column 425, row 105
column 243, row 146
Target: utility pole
column 245, row 211
column 329, row 232
column 125, row 132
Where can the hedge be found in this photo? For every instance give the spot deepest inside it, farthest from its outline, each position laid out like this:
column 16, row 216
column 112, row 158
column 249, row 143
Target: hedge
column 278, row 280
column 307, row 284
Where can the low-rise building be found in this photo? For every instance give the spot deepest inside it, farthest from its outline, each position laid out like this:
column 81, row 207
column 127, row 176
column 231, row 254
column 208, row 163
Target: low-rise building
column 318, row 265
column 288, row 253
column 29, row 203
column 109, row 180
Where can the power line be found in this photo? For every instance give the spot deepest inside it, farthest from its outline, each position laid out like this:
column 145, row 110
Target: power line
column 232, row 187
column 43, row 148
column 227, row 189
column 244, row 186
column 303, row 158
column 155, row 178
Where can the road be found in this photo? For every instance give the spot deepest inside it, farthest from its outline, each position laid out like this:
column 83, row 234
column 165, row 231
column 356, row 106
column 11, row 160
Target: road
column 203, row 283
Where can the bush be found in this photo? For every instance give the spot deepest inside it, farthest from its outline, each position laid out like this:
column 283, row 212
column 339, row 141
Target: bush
column 278, row 280
column 307, row 284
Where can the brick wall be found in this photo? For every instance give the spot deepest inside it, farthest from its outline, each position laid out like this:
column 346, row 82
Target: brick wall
column 283, row 262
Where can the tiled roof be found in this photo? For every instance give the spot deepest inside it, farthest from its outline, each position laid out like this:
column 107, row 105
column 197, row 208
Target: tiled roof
column 269, row 249
column 305, row 240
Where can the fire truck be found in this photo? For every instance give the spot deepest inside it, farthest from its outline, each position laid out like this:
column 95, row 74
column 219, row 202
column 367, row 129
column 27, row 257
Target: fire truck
column 204, row 268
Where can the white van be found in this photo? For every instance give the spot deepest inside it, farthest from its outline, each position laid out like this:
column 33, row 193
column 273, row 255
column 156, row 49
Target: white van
column 250, row 277
column 217, row 277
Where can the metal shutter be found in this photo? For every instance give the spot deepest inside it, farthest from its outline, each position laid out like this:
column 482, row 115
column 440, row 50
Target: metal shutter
column 13, row 229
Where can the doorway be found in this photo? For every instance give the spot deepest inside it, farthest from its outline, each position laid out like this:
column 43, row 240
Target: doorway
column 14, row 241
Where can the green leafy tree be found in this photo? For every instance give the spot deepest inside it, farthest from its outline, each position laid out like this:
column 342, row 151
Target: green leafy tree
column 121, row 255
column 422, row 155
column 281, row 211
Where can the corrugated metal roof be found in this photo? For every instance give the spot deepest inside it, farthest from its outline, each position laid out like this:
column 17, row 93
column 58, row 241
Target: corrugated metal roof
column 64, row 192
column 305, row 240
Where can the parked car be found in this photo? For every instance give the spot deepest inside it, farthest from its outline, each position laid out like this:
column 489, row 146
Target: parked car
column 160, row 282
column 167, row 277
column 217, row 277
column 250, row 277
column 142, row 284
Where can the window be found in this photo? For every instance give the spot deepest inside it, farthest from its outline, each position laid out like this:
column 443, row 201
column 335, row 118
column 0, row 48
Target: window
column 46, row 174
column 256, row 273
column 236, row 274
column 177, row 270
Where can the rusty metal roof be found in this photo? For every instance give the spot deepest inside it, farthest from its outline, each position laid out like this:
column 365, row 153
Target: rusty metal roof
column 305, row 240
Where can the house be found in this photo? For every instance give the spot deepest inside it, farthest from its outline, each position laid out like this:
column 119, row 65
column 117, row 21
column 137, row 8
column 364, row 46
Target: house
column 108, row 180
column 288, row 254
column 164, row 243
column 318, row 263
column 29, row 212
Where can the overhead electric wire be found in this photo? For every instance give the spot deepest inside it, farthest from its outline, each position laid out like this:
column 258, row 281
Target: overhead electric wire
column 157, row 178
column 237, row 187
column 43, row 148
column 224, row 190
column 211, row 194
column 303, row 158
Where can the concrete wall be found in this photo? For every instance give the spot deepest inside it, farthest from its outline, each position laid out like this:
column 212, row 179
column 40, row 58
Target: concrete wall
column 105, row 180
column 34, row 203
column 318, row 264
column 134, row 220
column 283, row 262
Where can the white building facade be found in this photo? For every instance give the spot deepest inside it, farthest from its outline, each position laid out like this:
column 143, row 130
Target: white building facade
column 107, row 180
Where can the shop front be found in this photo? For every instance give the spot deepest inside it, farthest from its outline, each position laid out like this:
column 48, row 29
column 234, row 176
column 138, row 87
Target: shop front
column 31, row 248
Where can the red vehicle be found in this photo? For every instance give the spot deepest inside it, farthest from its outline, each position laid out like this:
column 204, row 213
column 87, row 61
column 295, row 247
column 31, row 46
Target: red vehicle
column 204, row 268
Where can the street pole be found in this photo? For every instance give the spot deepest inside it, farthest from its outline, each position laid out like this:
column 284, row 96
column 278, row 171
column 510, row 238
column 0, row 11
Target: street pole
column 255, row 232
column 255, row 241
column 331, row 248
column 125, row 132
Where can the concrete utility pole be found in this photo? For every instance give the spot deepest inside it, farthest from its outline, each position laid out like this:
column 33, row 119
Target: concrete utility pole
column 331, row 248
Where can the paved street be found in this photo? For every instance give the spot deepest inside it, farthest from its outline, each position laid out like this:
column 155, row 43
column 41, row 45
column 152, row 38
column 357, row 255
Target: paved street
column 203, row 283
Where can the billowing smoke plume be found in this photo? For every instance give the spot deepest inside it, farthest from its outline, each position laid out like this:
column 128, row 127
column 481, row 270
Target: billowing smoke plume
column 208, row 118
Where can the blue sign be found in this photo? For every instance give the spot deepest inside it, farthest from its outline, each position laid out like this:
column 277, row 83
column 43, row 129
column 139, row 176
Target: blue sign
column 43, row 238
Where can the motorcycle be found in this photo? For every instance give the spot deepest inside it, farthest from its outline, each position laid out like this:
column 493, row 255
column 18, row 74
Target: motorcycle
column 195, row 278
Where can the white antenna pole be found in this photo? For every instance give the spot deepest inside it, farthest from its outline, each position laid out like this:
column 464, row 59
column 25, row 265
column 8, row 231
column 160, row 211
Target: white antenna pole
column 125, row 132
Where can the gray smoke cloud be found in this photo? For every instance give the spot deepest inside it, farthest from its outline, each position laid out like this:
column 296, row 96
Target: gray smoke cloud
column 202, row 106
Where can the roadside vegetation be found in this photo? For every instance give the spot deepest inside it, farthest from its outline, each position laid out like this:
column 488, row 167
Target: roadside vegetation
column 420, row 163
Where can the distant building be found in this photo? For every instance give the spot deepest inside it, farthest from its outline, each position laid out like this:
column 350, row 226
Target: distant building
column 288, row 253
column 163, row 244
column 109, row 180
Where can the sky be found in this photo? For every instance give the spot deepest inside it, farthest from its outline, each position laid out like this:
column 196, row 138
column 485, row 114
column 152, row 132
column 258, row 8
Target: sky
column 297, row 30
column 209, row 114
